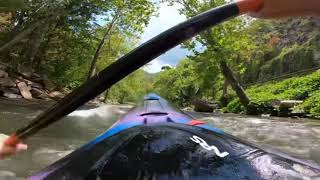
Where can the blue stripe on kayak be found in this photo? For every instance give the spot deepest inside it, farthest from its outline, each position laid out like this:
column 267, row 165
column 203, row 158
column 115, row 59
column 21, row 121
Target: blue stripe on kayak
column 123, row 126
column 208, row 127
column 112, row 131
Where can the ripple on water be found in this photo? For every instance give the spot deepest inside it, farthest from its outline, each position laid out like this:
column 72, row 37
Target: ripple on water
column 299, row 138
column 47, row 156
column 58, row 140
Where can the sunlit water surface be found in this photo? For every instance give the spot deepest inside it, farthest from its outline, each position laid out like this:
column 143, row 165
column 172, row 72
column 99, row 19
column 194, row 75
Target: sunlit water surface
column 295, row 137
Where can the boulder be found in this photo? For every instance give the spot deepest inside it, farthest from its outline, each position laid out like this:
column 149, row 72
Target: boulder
column 3, row 67
column 187, row 109
column 289, row 103
column 286, row 108
column 39, row 94
column 35, row 85
column 24, row 90
column 298, row 112
column 15, row 90
column 3, row 74
column 26, row 74
column 275, row 103
column 7, row 82
column 35, row 76
column 28, row 82
column 56, row 95
column 11, row 96
column 48, row 84
column 204, row 106
column 100, row 98
column 11, row 90
column 17, row 80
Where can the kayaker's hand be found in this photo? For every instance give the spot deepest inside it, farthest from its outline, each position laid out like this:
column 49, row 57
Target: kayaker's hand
column 6, row 150
column 288, row 8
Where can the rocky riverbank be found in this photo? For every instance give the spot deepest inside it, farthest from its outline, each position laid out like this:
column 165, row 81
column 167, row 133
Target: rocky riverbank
column 280, row 108
column 18, row 85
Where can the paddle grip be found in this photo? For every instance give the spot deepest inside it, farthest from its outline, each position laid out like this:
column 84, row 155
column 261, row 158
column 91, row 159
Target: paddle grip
column 12, row 140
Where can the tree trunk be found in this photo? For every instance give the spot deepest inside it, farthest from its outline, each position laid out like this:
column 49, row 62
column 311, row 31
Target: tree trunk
column 93, row 67
column 34, row 43
column 229, row 76
column 122, row 96
column 225, row 88
column 45, row 46
column 106, row 96
column 20, row 36
column 25, row 32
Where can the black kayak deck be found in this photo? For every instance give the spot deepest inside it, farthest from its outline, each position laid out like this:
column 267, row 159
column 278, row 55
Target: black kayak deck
column 176, row 151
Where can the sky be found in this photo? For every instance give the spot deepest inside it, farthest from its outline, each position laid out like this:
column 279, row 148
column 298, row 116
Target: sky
column 167, row 18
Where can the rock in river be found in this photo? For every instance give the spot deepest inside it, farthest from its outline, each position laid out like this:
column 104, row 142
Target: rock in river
column 24, row 90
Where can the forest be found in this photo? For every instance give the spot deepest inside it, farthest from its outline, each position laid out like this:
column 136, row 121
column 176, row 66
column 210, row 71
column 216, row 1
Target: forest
column 245, row 65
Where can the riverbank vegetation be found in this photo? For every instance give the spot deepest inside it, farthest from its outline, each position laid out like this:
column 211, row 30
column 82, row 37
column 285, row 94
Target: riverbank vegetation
column 264, row 51
column 266, row 96
column 68, row 42
column 241, row 65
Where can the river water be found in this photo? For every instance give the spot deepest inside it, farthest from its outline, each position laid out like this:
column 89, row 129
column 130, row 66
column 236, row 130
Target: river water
column 297, row 137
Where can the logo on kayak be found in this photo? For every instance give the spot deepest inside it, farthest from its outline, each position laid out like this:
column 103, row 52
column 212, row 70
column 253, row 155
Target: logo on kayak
column 205, row 145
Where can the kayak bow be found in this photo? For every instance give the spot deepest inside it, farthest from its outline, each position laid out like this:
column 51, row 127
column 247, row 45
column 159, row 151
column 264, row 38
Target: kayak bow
column 155, row 141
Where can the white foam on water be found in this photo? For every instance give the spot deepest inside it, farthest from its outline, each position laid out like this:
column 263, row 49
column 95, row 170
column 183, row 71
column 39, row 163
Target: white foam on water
column 104, row 111
column 7, row 175
column 47, row 156
column 257, row 121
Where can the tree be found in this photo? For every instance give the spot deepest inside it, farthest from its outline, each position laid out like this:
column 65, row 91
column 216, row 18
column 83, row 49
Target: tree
column 48, row 26
column 180, row 85
column 129, row 17
column 93, row 66
column 28, row 26
column 61, row 39
column 11, row 5
column 221, row 44
column 131, row 89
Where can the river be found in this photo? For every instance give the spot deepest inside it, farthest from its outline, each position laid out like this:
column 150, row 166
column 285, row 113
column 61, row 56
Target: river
column 297, row 137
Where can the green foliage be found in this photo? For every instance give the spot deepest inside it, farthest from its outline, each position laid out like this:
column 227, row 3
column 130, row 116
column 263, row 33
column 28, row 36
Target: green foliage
column 304, row 88
column 312, row 104
column 235, row 106
column 60, row 38
column 130, row 89
column 291, row 59
column 179, row 85
column 9, row 5
column 225, row 42
column 63, row 37
column 285, row 46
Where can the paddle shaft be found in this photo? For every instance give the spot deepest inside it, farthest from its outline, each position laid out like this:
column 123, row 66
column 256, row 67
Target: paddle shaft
column 133, row 61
